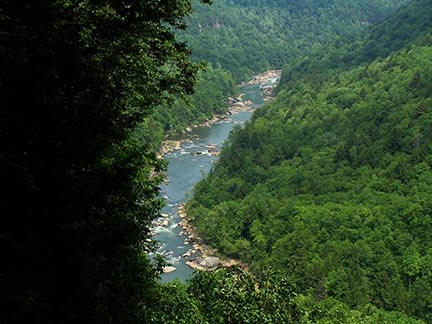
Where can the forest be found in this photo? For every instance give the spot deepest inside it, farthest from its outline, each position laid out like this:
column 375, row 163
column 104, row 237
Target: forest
column 246, row 37
column 324, row 193
column 330, row 183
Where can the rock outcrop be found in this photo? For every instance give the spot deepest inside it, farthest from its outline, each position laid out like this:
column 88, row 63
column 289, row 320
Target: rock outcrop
column 168, row 269
column 201, row 256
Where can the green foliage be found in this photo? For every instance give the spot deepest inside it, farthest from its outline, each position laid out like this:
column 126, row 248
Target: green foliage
column 246, row 37
column 334, row 311
column 408, row 24
column 172, row 304
column 209, row 98
column 330, row 185
column 88, row 89
column 79, row 193
column 236, row 297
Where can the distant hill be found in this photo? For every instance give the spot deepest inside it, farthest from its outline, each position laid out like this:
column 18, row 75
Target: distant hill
column 246, row 37
column 409, row 24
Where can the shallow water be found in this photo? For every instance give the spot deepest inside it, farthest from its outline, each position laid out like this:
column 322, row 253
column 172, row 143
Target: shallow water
column 186, row 167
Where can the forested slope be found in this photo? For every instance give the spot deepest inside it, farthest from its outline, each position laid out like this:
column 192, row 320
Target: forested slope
column 330, row 183
column 246, row 37
column 211, row 91
column 240, row 38
column 82, row 90
column 400, row 29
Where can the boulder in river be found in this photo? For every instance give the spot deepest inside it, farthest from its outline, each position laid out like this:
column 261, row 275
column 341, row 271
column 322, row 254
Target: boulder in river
column 168, row 269
column 187, row 254
column 194, row 265
column 239, row 104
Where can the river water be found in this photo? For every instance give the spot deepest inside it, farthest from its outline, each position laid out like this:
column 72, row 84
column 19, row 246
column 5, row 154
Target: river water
column 185, row 169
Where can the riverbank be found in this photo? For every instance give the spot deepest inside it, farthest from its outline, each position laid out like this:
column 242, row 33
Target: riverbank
column 267, row 81
column 236, row 105
column 190, row 155
column 201, row 256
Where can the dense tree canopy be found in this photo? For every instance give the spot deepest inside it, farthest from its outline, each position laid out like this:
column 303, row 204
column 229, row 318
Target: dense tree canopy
column 210, row 95
column 76, row 78
column 400, row 29
column 329, row 184
column 246, row 37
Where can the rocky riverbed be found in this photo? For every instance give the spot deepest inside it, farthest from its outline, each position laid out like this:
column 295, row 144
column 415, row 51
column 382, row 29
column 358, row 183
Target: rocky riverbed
column 267, row 82
column 201, row 256
column 190, row 159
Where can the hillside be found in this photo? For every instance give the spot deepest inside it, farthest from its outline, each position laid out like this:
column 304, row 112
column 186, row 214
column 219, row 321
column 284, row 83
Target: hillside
column 324, row 193
column 247, row 37
column 241, row 38
column 401, row 28
column 329, row 184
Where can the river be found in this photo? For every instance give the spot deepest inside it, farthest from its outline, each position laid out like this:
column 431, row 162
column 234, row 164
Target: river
column 186, row 167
